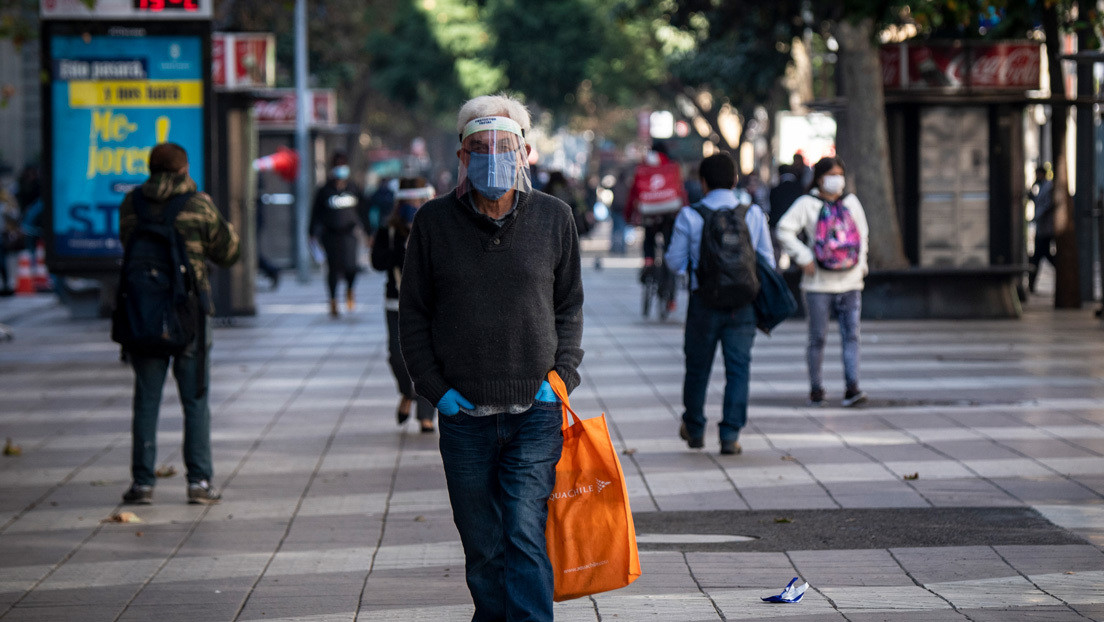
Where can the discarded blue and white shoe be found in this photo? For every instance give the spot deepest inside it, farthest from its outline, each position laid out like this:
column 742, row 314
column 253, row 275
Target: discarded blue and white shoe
column 791, row 594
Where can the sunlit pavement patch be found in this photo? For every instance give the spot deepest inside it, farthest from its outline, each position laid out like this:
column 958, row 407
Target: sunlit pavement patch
column 689, row 538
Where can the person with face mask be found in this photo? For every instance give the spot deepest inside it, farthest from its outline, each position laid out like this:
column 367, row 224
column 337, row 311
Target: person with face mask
column 388, row 254
column 834, row 266
column 491, row 302
column 335, row 214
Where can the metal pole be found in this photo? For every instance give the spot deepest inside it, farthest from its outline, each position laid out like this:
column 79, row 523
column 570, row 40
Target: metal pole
column 303, row 185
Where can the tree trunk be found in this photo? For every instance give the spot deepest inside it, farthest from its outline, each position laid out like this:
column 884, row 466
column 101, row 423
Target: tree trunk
column 1067, row 286
column 865, row 149
column 799, row 77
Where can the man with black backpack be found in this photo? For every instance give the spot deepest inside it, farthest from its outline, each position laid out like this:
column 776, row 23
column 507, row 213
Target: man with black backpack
column 169, row 231
column 716, row 240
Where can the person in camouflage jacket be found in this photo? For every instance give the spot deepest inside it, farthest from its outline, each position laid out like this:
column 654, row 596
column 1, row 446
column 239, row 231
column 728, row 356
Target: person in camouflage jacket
column 207, row 236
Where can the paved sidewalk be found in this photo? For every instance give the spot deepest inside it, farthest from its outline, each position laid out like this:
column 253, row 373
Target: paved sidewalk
column 333, row 513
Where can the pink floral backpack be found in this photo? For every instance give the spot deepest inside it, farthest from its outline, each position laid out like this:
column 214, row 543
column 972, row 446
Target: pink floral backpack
column 837, row 243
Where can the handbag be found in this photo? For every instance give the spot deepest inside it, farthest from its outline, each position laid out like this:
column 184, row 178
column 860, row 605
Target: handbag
column 590, row 533
column 775, row 302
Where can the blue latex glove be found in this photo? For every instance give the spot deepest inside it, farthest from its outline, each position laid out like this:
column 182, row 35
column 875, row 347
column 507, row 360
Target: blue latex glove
column 546, row 394
column 452, row 401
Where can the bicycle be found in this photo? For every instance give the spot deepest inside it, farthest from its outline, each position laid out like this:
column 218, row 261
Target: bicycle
column 659, row 285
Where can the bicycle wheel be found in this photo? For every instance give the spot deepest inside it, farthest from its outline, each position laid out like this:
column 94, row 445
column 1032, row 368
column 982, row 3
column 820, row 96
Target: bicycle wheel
column 649, row 292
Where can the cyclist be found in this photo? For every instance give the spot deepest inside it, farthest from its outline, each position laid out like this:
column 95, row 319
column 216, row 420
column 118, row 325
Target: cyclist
column 655, row 197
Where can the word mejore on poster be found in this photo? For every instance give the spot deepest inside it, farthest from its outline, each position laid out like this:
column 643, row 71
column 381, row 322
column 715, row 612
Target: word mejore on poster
column 114, row 98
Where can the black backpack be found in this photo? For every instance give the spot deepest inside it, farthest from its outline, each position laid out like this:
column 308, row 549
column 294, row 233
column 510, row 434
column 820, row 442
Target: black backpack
column 726, row 270
column 158, row 310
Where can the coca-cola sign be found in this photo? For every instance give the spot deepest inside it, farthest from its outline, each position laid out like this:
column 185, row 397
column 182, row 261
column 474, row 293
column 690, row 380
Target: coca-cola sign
column 278, row 107
column 1004, row 66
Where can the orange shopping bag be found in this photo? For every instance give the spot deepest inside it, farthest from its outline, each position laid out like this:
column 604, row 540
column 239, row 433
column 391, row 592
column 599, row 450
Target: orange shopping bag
column 590, row 533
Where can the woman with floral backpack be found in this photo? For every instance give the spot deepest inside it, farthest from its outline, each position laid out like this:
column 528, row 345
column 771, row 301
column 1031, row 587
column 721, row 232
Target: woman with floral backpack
column 834, row 265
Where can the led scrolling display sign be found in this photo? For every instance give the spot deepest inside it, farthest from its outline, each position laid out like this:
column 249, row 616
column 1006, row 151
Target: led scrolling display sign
column 157, row 6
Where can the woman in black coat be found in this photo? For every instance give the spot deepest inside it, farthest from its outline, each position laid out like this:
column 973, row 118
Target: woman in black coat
column 388, row 252
column 334, row 218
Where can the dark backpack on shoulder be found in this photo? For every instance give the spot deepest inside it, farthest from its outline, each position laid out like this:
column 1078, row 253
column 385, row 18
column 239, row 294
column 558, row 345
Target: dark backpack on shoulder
column 726, row 270
column 158, row 310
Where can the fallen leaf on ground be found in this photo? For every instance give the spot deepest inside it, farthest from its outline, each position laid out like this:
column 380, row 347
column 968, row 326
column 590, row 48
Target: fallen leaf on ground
column 100, row 482
column 11, row 449
column 789, row 457
column 629, row 452
column 912, row 476
column 123, row 517
column 419, row 519
column 783, row 519
column 165, row 470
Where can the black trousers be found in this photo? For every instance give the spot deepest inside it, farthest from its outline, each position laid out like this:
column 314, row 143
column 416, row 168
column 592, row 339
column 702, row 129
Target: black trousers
column 398, row 369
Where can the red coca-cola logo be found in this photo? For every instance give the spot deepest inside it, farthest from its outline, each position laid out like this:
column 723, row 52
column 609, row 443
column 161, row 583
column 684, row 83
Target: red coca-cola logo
column 1000, row 66
column 280, row 110
column 1006, row 66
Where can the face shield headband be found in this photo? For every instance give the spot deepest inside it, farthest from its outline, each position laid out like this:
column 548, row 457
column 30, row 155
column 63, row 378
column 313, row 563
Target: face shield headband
column 497, row 158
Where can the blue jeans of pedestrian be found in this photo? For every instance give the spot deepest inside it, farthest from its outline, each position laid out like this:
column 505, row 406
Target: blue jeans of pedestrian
column 848, row 309
column 149, row 380
column 500, row 470
column 735, row 331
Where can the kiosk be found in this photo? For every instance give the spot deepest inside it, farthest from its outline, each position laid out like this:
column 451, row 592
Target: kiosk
column 955, row 116
column 118, row 79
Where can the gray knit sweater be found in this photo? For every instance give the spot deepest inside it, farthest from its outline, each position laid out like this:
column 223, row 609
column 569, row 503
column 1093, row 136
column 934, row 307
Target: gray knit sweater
column 489, row 310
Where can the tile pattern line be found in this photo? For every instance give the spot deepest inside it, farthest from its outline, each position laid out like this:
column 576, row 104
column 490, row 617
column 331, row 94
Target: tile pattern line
column 373, row 359
column 1036, row 585
column 702, row 590
column 919, row 584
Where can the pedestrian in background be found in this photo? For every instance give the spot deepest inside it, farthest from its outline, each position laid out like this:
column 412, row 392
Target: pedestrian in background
column 491, row 302
column 388, row 254
column 1042, row 195
column 706, row 327
column 655, row 197
column 334, row 218
column 782, row 197
column 829, row 286
column 207, row 237
column 620, row 191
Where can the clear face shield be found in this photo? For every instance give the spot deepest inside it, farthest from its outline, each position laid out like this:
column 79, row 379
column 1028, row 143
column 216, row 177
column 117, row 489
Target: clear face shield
column 497, row 160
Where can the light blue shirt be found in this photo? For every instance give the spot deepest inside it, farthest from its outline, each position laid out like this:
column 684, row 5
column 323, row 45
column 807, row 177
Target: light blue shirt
column 685, row 248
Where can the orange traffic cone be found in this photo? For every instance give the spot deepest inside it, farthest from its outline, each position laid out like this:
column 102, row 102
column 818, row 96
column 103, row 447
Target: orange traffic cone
column 285, row 163
column 42, row 281
column 24, row 281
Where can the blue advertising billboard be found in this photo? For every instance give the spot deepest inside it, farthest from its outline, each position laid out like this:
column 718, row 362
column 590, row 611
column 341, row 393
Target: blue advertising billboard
column 112, row 98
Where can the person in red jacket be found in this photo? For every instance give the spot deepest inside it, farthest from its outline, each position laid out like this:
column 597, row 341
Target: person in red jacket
column 655, row 197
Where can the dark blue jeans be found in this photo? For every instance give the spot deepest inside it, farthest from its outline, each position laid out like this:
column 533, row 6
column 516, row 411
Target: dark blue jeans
column 735, row 331
column 149, row 380
column 500, row 470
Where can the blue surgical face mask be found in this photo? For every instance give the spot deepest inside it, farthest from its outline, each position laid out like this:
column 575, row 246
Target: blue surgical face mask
column 493, row 174
column 341, row 172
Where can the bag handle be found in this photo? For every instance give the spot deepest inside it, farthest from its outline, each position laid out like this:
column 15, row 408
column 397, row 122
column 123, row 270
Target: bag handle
column 560, row 389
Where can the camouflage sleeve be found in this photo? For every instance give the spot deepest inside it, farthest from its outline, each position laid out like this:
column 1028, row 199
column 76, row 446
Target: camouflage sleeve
column 221, row 243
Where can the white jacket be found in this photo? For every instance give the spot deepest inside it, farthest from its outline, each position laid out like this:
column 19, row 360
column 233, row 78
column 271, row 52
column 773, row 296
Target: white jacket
column 802, row 216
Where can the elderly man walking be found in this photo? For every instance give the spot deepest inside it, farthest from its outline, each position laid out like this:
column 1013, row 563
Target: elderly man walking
column 491, row 302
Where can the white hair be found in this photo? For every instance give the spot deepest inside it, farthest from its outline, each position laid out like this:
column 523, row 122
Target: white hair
column 500, row 105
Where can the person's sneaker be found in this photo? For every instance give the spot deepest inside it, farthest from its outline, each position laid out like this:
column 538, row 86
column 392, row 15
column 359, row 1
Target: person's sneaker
column 138, row 494
column 731, row 448
column 816, row 398
column 853, row 397
column 693, row 443
column 202, row 493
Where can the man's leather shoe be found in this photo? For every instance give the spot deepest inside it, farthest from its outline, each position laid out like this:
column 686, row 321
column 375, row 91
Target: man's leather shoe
column 694, row 443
